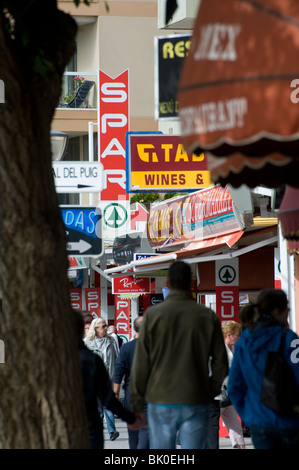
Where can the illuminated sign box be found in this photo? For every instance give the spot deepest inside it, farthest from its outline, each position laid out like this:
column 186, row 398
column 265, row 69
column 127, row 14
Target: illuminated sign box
column 158, row 162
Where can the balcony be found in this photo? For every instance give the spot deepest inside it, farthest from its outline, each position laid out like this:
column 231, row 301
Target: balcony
column 71, row 97
column 77, row 105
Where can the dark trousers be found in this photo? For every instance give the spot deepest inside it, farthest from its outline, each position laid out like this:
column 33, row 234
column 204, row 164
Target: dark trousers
column 213, row 425
column 96, row 438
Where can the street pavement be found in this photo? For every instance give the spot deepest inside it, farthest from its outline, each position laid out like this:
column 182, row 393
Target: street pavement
column 122, row 441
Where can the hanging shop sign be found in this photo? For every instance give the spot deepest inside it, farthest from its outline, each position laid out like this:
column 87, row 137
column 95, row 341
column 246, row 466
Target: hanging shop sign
column 113, row 123
column 227, row 289
column 93, row 301
column 122, row 317
column 170, row 52
column 76, row 298
column 201, row 215
column 158, row 162
column 129, row 285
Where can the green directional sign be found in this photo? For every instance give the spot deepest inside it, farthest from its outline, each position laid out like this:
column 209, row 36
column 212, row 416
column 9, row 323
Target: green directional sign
column 115, row 215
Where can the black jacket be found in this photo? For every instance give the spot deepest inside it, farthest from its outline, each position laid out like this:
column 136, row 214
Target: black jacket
column 98, row 390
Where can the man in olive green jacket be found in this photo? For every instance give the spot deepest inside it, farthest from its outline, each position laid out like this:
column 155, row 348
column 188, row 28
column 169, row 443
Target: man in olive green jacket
column 179, row 366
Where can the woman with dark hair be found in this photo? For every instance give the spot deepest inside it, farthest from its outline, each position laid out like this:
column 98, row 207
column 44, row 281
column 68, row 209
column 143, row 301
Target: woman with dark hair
column 263, row 325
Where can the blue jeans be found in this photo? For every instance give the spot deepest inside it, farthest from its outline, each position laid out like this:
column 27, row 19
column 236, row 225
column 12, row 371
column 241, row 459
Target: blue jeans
column 137, row 439
column 110, row 421
column 270, row 438
column 165, row 421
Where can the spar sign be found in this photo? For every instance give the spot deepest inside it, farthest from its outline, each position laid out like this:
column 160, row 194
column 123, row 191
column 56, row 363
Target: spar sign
column 122, row 317
column 113, row 123
column 227, row 289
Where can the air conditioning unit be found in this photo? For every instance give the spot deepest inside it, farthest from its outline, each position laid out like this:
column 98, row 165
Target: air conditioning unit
column 183, row 18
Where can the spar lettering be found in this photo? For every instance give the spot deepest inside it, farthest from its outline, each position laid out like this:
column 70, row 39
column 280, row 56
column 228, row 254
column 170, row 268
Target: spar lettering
column 171, row 459
column 122, row 316
column 217, row 42
column 113, row 124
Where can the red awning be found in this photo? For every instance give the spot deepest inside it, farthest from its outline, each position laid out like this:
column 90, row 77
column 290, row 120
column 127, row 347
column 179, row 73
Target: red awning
column 239, row 90
column 204, row 246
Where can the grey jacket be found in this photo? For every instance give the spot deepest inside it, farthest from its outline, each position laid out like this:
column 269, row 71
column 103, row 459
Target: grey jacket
column 178, row 340
column 105, row 348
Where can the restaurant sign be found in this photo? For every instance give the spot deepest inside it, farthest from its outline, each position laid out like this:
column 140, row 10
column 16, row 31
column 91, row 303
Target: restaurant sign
column 198, row 216
column 158, row 162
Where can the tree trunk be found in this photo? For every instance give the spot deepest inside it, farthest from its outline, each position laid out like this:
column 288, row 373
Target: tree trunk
column 41, row 399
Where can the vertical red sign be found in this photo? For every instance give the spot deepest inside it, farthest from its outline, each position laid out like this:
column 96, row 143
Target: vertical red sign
column 93, row 301
column 76, row 298
column 113, row 123
column 227, row 303
column 227, row 289
column 122, row 317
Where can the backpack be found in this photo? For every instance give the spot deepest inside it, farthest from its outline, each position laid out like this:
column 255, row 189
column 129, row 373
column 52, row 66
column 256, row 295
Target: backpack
column 280, row 391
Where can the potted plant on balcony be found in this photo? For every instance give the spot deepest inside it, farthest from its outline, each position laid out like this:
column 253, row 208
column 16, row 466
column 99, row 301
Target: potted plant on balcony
column 78, row 81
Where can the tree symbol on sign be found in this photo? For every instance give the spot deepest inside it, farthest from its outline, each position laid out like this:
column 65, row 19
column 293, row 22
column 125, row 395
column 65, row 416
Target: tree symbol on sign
column 115, row 215
column 227, row 274
column 114, row 218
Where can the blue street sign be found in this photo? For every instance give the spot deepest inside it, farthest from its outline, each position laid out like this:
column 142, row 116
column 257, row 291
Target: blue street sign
column 83, row 227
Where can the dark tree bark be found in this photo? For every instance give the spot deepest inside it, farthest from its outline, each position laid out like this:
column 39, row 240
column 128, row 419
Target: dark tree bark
column 41, row 400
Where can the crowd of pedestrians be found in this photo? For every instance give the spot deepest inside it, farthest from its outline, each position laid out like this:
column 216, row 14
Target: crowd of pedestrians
column 184, row 370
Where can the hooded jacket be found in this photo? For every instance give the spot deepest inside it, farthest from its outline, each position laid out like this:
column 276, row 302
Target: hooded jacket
column 247, row 371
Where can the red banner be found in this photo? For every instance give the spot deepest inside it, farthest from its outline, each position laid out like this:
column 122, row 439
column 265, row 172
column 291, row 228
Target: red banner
column 113, row 123
column 76, row 298
column 227, row 303
column 93, row 301
column 122, row 317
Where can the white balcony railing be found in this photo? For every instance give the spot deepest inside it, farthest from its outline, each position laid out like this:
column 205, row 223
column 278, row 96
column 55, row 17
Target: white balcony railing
column 79, row 91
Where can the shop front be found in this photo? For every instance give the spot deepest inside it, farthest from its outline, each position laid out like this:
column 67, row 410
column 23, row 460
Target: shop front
column 232, row 254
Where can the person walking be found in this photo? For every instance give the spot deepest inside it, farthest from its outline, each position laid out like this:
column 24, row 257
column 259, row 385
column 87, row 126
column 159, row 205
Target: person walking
column 137, row 439
column 97, row 388
column 178, row 339
column 231, row 333
column 98, row 341
column 113, row 333
column 266, row 321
